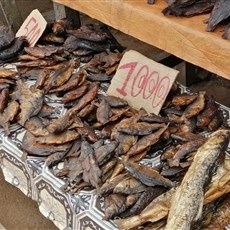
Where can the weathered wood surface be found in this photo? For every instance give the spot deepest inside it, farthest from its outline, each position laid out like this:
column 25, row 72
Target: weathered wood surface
column 9, row 14
column 184, row 37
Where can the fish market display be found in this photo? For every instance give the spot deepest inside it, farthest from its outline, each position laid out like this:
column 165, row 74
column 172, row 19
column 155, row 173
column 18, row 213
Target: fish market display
column 98, row 141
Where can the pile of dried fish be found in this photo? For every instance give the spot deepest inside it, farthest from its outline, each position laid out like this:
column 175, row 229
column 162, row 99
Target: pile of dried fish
column 220, row 11
column 10, row 47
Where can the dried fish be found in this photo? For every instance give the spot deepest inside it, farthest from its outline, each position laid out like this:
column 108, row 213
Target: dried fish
column 75, row 93
column 116, row 102
column 42, row 77
column 146, row 141
column 88, row 97
column 71, row 43
column 7, row 73
column 42, row 52
column 54, row 158
column 105, row 168
column 103, row 112
column 146, row 175
column 31, row 101
column 6, row 37
column 103, row 153
column 37, row 63
column 14, row 50
column 186, row 136
column 86, row 110
column 84, row 32
column 4, row 98
column 205, row 117
column 27, row 57
column 114, row 205
column 220, row 12
column 32, row 147
column 110, row 184
column 36, row 126
column 125, row 143
column 129, row 186
column 8, row 115
column 60, row 124
column 185, row 149
column 91, row 171
column 87, row 132
column 196, row 106
column 186, row 206
column 61, row 138
column 53, row 38
column 183, row 99
column 153, row 118
column 139, row 128
column 155, row 211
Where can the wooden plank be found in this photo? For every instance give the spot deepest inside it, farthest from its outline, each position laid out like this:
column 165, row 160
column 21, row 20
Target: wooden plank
column 184, row 37
column 10, row 14
column 62, row 11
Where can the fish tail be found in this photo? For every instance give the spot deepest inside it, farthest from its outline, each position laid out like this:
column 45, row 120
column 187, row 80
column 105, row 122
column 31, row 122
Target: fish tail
column 128, row 223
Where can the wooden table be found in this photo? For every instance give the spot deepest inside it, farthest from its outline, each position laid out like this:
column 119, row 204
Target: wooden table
column 185, row 38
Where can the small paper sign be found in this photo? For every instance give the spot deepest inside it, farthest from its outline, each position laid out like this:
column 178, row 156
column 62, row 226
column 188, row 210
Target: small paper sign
column 33, row 27
column 143, row 82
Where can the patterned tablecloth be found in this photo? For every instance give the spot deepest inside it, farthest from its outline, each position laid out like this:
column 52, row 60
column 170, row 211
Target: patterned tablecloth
column 79, row 211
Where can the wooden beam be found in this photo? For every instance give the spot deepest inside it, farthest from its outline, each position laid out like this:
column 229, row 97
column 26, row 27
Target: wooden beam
column 10, row 14
column 62, row 11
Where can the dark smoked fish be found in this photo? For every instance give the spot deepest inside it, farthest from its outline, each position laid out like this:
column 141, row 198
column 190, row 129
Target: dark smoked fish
column 186, row 205
column 103, row 112
column 30, row 101
column 116, row 101
column 6, row 37
column 147, row 175
column 42, row 52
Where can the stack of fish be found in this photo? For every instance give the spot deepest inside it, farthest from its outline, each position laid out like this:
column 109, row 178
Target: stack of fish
column 220, row 11
column 100, row 140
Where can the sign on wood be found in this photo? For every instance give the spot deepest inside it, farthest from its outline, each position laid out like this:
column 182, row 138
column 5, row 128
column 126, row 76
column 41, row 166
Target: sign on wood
column 143, row 82
column 33, row 27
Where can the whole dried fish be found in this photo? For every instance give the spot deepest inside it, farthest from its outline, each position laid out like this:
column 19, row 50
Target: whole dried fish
column 27, row 57
column 110, row 184
column 59, row 26
column 84, row 32
column 14, row 50
column 125, row 143
column 114, row 205
column 41, row 79
column 216, row 122
column 54, row 158
column 30, row 101
column 42, row 52
column 88, row 97
column 129, row 186
column 146, row 141
column 37, row 63
column 103, row 112
column 116, row 102
column 4, row 98
column 103, row 153
column 220, row 12
column 75, row 80
column 61, row 138
column 205, row 117
column 71, row 43
column 53, row 38
column 36, row 126
column 153, row 118
column 86, row 110
column 144, row 200
column 139, row 128
column 8, row 115
column 60, row 124
column 185, row 149
column 155, row 211
column 196, row 107
column 6, row 37
column 32, row 147
column 87, row 132
column 146, row 175
column 75, row 93
column 186, row 136
column 186, row 206
column 183, row 99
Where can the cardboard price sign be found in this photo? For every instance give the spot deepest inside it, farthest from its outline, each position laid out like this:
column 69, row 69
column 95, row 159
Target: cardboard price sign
column 143, row 82
column 33, row 27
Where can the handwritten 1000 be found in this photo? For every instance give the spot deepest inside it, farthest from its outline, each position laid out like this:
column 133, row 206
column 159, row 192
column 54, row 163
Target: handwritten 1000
column 146, row 83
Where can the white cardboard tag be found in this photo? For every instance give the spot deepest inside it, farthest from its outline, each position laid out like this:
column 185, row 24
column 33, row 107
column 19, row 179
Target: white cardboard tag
column 143, row 82
column 33, row 27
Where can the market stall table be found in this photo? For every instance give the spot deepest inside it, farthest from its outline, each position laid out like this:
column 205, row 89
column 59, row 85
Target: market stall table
column 185, row 38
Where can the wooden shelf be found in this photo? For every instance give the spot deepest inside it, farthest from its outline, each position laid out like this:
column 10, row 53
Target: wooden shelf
column 186, row 38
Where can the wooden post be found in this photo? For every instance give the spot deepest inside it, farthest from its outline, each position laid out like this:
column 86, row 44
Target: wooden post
column 10, row 15
column 62, row 11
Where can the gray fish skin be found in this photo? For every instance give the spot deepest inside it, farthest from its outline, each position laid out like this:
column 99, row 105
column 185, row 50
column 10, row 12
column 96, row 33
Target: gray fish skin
column 187, row 203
